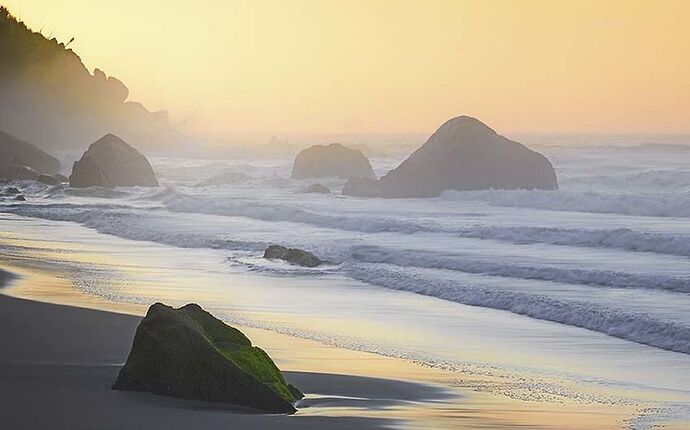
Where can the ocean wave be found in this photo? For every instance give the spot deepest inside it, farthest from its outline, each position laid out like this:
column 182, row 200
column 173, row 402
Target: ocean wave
column 131, row 224
column 649, row 204
column 568, row 275
column 661, row 181
column 619, row 238
column 290, row 213
column 152, row 225
column 635, row 327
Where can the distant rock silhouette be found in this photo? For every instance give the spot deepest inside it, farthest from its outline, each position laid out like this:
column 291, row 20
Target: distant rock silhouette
column 317, row 189
column 17, row 155
column 50, row 98
column 111, row 162
column 322, row 161
column 292, row 255
column 463, row 154
column 19, row 172
column 188, row 353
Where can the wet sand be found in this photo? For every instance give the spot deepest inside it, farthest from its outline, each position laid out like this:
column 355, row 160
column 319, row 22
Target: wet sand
column 57, row 364
column 59, row 361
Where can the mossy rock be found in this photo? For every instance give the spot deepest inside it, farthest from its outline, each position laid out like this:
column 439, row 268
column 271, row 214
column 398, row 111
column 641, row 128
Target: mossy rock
column 188, row 353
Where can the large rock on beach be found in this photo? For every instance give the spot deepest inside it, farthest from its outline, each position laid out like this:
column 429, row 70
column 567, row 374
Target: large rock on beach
column 111, row 162
column 334, row 160
column 190, row 354
column 463, row 154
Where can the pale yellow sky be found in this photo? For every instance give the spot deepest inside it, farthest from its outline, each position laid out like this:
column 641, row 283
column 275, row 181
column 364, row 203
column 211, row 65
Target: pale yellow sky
column 389, row 66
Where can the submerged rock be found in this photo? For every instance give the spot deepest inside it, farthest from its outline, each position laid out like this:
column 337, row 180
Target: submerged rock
column 12, row 191
column 188, row 353
column 292, row 255
column 321, row 161
column 463, row 154
column 111, row 162
column 16, row 154
column 317, row 189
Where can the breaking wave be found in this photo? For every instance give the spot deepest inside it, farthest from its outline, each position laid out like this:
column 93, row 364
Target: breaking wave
column 647, row 204
column 635, row 327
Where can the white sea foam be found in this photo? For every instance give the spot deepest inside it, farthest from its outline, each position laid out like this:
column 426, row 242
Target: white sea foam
column 646, row 204
column 619, row 238
column 468, row 264
column 630, row 326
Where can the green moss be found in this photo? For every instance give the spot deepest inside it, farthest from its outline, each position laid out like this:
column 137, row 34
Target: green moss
column 189, row 353
column 235, row 346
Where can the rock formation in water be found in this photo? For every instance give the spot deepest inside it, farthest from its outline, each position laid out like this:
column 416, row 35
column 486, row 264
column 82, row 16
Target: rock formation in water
column 188, row 353
column 322, row 161
column 292, row 255
column 48, row 97
column 111, row 162
column 463, row 154
column 23, row 160
column 317, row 189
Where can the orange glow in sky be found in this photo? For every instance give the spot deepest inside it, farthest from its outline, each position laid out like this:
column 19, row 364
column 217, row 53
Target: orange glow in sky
column 388, row 66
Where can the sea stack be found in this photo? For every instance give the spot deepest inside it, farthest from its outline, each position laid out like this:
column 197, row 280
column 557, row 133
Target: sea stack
column 23, row 160
column 188, row 353
column 334, row 160
column 111, row 162
column 463, row 154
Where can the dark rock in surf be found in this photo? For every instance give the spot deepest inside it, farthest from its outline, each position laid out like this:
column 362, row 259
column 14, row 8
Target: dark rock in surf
column 335, row 160
column 317, row 189
column 463, row 154
column 188, row 353
column 20, row 198
column 292, row 255
column 111, row 162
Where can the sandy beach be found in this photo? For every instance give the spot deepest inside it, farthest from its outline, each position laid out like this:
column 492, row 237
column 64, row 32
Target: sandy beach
column 72, row 354
column 58, row 363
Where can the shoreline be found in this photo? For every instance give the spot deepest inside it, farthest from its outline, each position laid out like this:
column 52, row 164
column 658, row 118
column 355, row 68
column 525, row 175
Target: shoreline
column 41, row 280
column 94, row 343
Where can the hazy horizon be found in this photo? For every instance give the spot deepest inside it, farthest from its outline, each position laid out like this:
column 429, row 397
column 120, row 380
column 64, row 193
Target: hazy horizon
column 326, row 68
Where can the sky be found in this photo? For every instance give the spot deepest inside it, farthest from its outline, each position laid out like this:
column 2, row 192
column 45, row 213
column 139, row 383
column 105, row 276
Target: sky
column 223, row 67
